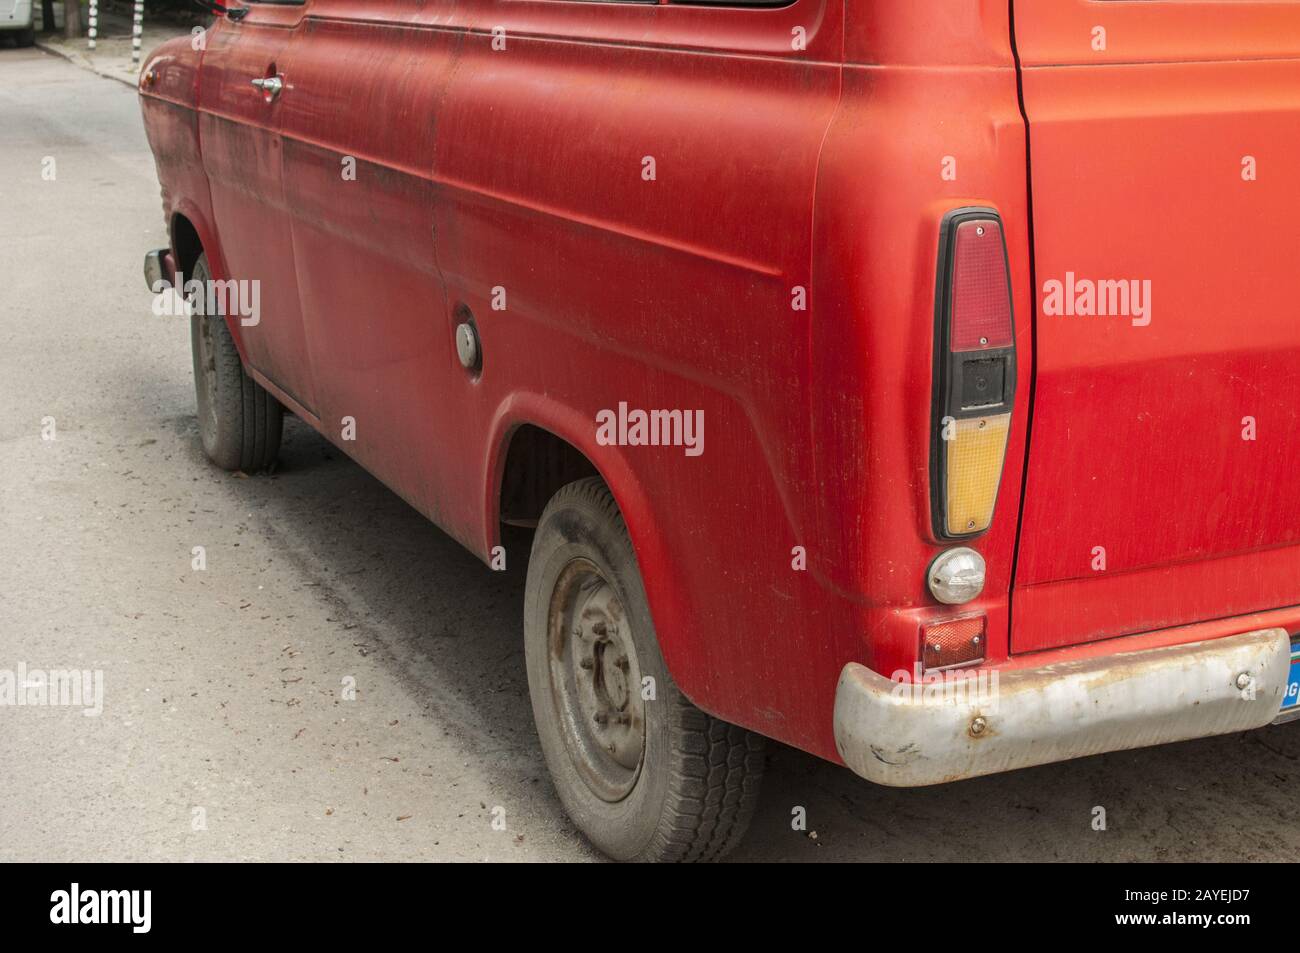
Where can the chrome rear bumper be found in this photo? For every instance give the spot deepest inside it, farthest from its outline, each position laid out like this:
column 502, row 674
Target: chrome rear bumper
column 904, row 736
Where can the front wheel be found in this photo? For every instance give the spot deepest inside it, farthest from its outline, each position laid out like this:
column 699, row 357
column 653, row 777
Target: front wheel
column 641, row 771
column 26, row 37
column 239, row 421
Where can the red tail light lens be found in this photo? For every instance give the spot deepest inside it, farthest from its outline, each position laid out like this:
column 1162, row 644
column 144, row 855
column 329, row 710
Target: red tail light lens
column 981, row 295
column 974, row 373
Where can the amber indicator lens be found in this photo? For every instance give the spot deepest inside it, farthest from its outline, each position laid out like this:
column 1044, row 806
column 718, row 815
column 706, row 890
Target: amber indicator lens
column 953, row 643
column 974, row 472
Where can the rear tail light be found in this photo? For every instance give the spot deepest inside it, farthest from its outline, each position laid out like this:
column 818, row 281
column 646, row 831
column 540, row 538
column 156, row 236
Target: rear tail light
column 953, row 643
column 974, row 373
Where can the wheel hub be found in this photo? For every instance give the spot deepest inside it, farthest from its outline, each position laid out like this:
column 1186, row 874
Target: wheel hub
column 596, row 681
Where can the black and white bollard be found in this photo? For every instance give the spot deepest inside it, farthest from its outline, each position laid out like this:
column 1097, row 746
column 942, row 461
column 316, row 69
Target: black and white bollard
column 137, row 28
column 93, row 29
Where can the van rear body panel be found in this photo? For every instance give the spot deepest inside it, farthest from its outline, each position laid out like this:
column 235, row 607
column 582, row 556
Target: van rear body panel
column 1160, row 486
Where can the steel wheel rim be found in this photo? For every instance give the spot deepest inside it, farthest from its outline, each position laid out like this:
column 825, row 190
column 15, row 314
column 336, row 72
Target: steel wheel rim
column 596, row 681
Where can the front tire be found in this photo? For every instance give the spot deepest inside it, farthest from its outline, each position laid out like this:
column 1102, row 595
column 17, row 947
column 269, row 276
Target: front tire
column 644, row 778
column 26, row 37
column 240, row 423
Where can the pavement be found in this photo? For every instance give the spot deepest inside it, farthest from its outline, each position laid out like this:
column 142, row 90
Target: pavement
column 111, row 56
column 227, row 731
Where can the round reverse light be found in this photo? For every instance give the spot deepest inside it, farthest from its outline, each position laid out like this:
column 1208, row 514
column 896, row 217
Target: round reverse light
column 956, row 575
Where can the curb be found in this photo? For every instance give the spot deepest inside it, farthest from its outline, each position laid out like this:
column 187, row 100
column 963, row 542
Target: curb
column 76, row 59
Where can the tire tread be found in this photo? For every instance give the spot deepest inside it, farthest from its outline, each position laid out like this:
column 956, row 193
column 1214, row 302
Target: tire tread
column 250, row 419
column 717, row 767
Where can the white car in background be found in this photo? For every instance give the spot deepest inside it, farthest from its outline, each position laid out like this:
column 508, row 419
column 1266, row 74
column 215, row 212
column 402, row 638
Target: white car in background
column 16, row 19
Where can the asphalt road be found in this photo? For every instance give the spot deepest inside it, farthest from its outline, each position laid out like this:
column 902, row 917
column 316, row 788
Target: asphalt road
column 224, row 733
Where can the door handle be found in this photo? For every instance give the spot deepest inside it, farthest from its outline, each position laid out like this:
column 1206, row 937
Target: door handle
column 271, row 86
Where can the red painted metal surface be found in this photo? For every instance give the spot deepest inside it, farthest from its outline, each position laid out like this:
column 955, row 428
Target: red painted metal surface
column 243, row 157
column 819, row 168
column 1140, row 155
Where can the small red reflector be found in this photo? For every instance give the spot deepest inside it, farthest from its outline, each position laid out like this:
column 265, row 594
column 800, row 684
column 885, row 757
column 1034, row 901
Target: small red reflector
column 981, row 299
column 954, row 642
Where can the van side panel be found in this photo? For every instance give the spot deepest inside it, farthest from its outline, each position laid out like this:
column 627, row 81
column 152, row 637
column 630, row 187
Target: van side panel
column 647, row 212
column 358, row 133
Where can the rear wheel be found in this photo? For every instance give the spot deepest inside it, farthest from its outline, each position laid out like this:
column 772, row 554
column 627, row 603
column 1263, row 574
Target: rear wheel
column 642, row 772
column 239, row 421
column 26, row 37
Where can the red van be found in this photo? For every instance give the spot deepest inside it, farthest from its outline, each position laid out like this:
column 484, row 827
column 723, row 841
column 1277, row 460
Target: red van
column 914, row 382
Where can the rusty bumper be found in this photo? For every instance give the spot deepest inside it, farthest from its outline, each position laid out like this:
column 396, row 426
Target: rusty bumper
column 907, row 735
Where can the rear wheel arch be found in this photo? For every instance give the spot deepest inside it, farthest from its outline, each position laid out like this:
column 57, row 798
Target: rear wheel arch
column 536, row 464
column 571, row 435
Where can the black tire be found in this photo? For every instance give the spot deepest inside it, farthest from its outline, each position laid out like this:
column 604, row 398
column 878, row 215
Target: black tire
column 26, row 37
column 694, row 789
column 239, row 421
